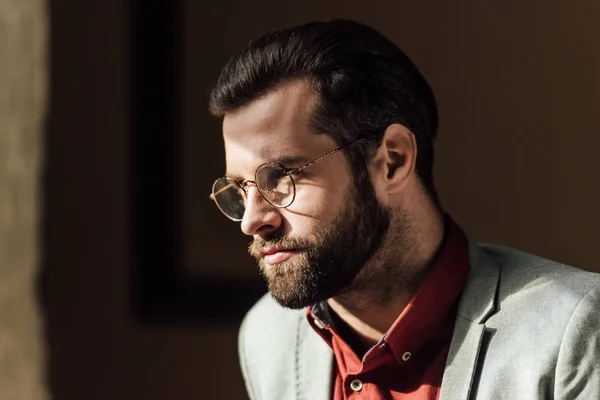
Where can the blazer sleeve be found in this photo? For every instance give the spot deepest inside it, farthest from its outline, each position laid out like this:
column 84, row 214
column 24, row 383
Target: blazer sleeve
column 578, row 364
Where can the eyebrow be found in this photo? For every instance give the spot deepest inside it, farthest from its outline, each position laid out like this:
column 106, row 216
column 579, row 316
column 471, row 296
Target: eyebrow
column 289, row 160
column 285, row 161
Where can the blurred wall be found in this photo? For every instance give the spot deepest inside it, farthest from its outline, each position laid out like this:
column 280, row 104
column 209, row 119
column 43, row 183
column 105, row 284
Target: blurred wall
column 517, row 87
column 23, row 72
column 97, row 349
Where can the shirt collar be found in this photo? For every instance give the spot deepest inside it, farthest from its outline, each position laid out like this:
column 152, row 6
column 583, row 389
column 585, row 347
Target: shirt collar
column 428, row 308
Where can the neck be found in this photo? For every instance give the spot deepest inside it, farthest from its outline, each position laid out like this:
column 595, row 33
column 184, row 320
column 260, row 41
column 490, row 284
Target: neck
column 386, row 285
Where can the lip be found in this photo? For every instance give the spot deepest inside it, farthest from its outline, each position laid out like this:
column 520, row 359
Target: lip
column 275, row 256
column 272, row 250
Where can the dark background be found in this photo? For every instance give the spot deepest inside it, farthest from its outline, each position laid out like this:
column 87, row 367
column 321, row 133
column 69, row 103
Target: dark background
column 518, row 90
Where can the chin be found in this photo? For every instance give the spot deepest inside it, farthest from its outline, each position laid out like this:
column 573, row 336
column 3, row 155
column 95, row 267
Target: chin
column 299, row 294
column 300, row 281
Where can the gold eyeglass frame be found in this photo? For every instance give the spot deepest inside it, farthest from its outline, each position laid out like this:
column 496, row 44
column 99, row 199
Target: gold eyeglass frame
column 287, row 171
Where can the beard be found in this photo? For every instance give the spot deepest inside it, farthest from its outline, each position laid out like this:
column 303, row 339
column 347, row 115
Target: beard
column 327, row 263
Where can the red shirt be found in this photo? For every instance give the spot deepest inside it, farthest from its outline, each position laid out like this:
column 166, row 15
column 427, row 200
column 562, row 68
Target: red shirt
column 408, row 362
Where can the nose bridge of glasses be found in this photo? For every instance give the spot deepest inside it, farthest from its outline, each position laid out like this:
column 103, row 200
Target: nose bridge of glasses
column 263, row 193
column 256, row 204
column 247, row 182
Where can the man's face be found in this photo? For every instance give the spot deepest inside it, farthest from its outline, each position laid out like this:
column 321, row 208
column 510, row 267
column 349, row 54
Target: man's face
column 313, row 249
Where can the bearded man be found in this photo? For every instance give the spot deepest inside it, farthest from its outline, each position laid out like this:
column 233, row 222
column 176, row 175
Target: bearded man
column 375, row 292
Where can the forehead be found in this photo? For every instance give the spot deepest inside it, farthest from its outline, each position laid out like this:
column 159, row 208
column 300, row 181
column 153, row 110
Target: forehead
column 273, row 126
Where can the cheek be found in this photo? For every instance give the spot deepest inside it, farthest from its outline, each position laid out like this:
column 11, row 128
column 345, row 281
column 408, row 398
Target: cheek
column 317, row 203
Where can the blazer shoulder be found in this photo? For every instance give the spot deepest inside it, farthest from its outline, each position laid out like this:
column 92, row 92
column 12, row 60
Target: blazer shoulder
column 539, row 294
column 539, row 338
column 524, row 271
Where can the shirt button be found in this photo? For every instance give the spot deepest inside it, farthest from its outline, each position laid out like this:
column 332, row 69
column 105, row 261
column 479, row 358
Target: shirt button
column 319, row 324
column 356, row 385
column 406, row 356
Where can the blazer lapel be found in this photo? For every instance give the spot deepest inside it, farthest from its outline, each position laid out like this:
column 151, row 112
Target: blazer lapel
column 314, row 365
column 477, row 302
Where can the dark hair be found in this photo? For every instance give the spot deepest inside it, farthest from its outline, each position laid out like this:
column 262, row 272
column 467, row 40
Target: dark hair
column 364, row 82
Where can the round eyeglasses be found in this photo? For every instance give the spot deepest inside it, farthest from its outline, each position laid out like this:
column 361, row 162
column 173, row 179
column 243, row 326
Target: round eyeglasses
column 274, row 182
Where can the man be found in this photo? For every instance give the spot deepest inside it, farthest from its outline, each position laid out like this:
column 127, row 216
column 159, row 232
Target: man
column 375, row 293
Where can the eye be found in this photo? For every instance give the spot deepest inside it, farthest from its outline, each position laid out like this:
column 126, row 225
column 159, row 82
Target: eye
column 271, row 177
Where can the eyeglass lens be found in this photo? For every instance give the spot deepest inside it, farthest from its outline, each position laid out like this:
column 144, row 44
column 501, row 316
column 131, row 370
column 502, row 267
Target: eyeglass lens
column 272, row 181
column 230, row 198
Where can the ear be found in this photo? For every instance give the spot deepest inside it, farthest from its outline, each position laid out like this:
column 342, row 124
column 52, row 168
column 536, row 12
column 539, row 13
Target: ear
column 394, row 162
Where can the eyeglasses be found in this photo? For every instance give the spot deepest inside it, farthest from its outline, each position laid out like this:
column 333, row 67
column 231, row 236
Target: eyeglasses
column 274, row 182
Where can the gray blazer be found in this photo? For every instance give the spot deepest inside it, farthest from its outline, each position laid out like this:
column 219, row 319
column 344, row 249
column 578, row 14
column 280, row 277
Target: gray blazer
column 527, row 328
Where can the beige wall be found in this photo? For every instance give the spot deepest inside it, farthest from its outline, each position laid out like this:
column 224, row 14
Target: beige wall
column 22, row 110
column 518, row 92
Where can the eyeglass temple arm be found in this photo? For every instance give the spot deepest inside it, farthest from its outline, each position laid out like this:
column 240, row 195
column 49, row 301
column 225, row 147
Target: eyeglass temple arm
column 291, row 171
column 295, row 170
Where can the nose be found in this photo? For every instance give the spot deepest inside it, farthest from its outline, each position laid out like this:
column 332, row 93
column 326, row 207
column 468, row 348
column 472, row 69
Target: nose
column 260, row 217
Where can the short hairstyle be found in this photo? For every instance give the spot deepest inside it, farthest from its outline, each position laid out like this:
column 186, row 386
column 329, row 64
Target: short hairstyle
column 364, row 82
